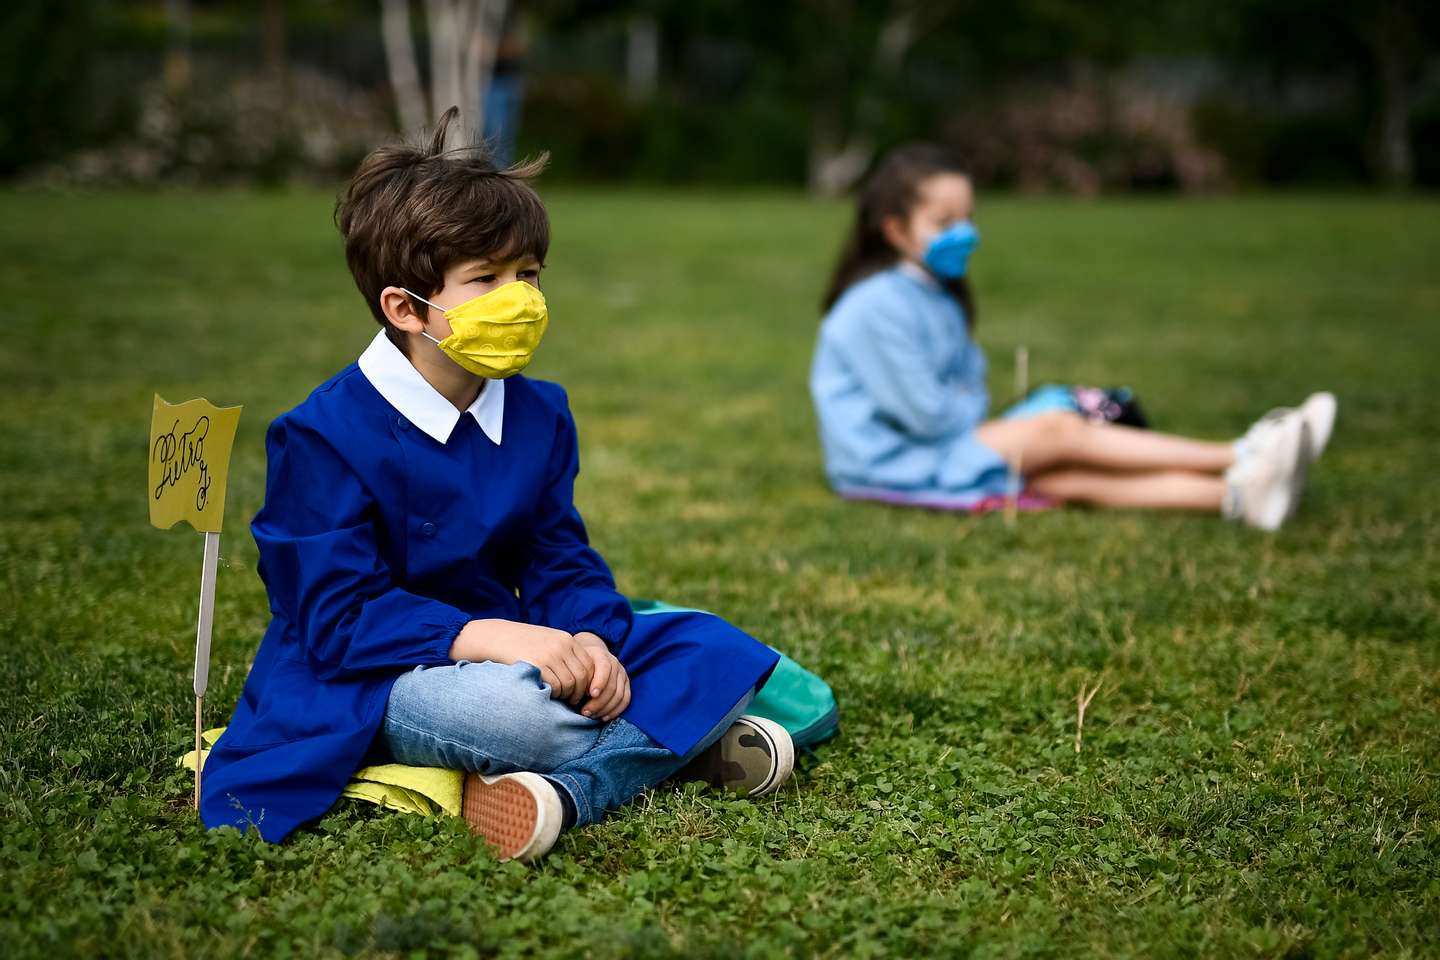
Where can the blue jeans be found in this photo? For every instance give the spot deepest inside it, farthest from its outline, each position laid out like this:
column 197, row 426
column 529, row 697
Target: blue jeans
column 493, row 718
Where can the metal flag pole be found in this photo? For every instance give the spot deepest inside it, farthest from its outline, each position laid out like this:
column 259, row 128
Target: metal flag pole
column 202, row 643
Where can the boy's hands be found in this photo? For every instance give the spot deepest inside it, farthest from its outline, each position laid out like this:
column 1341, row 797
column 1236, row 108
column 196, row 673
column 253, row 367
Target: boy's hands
column 609, row 683
column 564, row 661
column 576, row 667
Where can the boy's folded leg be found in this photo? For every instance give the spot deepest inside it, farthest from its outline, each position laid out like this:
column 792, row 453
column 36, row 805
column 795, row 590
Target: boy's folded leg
column 519, row 814
column 487, row 718
column 623, row 763
column 754, row 757
column 626, row 761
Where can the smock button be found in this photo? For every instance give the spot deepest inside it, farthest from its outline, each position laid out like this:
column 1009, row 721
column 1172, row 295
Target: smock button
column 427, row 529
column 402, row 423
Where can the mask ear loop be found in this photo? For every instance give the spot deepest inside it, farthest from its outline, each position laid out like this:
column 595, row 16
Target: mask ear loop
column 437, row 306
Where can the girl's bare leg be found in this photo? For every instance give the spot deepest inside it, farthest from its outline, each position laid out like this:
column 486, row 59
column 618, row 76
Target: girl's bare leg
column 1152, row 490
column 1050, row 440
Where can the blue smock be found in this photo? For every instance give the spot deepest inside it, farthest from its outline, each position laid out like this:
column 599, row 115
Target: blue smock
column 379, row 542
column 899, row 388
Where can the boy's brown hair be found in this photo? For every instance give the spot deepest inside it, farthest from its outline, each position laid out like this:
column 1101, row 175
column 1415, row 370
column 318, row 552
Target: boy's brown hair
column 410, row 212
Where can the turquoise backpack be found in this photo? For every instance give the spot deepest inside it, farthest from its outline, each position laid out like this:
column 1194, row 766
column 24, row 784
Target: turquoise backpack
column 793, row 697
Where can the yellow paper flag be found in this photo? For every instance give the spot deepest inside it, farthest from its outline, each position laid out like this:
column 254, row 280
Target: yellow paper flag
column 190, row 446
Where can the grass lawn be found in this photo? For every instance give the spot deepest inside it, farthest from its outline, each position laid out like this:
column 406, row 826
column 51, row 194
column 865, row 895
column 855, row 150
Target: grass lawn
column 1259, row 769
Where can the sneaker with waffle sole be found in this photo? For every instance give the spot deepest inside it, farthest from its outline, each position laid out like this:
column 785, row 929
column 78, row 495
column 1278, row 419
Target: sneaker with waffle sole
column 754, row 757
column 518, row 814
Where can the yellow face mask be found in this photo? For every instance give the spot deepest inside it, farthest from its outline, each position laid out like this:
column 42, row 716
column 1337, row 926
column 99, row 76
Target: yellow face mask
column 495, row 334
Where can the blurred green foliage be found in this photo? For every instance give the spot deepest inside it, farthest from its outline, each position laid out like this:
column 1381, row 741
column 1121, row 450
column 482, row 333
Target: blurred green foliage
column 756, row 92
column 595, row 133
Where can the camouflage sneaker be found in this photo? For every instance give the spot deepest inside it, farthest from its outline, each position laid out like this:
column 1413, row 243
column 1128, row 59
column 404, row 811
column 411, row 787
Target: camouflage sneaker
column 518, row 814
column 754, row 757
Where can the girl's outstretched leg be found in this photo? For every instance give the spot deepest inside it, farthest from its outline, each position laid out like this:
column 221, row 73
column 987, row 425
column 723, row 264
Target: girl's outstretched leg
column 1151, row 490
column 1042, row 443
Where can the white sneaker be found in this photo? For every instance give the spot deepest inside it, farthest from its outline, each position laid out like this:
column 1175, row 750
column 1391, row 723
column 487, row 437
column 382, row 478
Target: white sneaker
column 518, row 814
column 1319, row 411
column 1263, row 486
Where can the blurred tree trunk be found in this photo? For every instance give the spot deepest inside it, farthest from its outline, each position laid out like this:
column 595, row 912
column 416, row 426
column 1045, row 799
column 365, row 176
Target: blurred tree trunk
column 642, row 56
column 842, row 134
column 445, row 20
column 482, row 46
column 177, row 53
column 1391, row 43
column 273, row 42
column 400, row 59
column 464, row 36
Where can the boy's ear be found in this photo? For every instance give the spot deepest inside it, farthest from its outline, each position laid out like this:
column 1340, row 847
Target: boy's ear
column 400, row 310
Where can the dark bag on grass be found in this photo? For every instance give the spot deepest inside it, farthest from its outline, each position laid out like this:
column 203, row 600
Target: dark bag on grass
column 1109, row 405
column 1096, row 404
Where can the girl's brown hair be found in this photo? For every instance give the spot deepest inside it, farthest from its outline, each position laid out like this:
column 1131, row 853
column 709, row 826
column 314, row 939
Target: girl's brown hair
column 412, row 211
column 892, row 191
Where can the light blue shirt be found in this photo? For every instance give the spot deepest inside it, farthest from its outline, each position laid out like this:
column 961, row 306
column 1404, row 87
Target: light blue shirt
column 899, row 388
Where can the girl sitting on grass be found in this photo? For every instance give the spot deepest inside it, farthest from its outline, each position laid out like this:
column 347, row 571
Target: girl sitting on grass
column 899, row 385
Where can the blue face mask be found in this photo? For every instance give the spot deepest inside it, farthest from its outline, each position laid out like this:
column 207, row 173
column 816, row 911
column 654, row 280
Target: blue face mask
column 948, row 255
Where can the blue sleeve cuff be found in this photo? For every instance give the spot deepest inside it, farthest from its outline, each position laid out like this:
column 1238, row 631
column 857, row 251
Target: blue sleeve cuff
column 446, row 638
column 613, row 632
column 608, row 619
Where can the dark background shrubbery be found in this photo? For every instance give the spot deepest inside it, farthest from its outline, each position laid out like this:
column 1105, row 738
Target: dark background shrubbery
column 45, row 83
column 1053, row 103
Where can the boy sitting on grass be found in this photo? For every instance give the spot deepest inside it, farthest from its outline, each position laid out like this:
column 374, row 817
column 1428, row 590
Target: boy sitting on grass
column 435, row 601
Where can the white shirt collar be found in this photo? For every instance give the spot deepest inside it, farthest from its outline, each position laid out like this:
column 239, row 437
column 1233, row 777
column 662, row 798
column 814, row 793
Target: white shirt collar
column 397, row 380
column 914, row 271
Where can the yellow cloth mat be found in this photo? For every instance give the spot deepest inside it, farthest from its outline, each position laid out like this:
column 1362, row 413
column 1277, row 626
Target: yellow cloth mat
column 428, row 791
